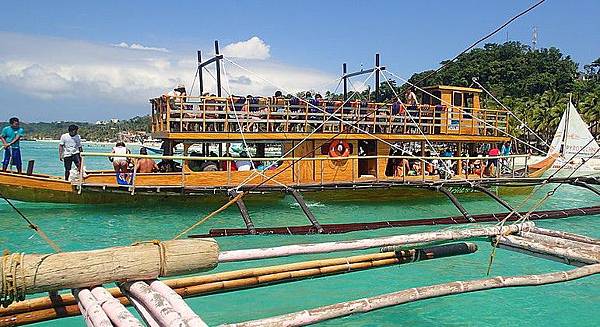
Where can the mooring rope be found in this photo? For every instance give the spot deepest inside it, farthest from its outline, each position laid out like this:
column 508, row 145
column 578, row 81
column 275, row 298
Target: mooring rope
column 33, row 226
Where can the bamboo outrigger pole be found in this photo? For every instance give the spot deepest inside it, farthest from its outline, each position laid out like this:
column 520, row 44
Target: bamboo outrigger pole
column 42, row 309
column 316, row 315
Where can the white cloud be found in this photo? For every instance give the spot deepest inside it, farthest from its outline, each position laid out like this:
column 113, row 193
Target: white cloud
column 253, row 48
column 79, row 71
column 137, row 46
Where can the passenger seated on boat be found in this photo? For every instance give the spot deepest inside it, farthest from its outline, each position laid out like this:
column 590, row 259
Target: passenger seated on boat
column 169, row 166
column 243, row 164
column 232, row 165
column 294, row 116
column 402, row 167
column 176, row 97
column 145, row 165
column 277, row 103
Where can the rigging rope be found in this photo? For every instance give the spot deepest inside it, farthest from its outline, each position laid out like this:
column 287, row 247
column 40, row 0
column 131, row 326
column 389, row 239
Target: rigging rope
column 510, row 112
column 462, row 111
column 480, row 40
column 539, row 203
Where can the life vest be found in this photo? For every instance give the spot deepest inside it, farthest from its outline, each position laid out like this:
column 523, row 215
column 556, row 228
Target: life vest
column 339, row 148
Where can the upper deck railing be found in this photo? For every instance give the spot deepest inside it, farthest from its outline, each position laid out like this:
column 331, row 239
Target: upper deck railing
column 187, row 114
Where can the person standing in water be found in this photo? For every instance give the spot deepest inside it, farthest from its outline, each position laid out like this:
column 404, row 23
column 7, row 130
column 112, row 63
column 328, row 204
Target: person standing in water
column 69, row 150
column 10, row 137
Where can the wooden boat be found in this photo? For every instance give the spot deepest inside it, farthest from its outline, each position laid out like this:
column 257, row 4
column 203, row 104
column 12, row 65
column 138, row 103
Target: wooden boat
column 324, row 145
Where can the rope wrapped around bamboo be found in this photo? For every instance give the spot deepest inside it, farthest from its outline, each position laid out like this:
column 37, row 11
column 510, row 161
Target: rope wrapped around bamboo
column 42, row 309
column 35, row 273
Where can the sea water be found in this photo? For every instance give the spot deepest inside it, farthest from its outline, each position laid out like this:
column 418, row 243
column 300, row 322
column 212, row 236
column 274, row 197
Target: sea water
column 82, row 227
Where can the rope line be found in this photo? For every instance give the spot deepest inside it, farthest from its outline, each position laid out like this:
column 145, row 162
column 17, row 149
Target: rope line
column 481, row 40
column 511, row 113
column 31, row 225
column 539, row 203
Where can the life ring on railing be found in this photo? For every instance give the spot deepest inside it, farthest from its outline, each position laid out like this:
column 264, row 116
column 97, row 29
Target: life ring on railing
column 339, row 148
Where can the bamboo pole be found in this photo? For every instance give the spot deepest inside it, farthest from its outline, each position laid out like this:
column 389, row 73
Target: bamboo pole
column 362, row 244
column 92, row 308
column 114, row 309
column 154, row 303
column 144, row 313
column 312, row 316
column 564, row 235
column 36, row 273
column 189, row 317
column 42, row 309
column 572, row 254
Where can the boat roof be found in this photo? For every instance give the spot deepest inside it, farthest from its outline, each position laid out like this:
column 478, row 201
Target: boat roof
column 453, row 88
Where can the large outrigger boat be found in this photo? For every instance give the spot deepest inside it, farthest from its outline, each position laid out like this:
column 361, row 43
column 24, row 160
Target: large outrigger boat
column 303, row 143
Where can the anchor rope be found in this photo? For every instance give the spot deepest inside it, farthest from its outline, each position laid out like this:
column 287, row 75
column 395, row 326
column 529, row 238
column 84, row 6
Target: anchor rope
column 31, row 225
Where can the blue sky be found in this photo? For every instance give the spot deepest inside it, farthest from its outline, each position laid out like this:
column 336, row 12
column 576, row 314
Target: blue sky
column 63, row 60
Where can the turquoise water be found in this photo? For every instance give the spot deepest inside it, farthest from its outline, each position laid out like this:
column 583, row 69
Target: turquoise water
column 76, row 227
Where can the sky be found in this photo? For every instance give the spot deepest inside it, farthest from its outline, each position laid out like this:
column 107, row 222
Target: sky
column 88, row 61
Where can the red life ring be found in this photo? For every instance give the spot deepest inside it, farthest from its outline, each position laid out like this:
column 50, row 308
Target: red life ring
column 339, row 148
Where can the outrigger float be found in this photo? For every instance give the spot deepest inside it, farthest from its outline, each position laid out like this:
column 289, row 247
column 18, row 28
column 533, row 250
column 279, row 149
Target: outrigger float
column 139, row 272
column 307, row 144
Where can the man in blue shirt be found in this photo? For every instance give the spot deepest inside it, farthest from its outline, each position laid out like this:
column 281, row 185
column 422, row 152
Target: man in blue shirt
column 10, row 137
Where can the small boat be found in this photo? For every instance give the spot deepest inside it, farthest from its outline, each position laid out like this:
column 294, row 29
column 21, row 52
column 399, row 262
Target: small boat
column 572, row 147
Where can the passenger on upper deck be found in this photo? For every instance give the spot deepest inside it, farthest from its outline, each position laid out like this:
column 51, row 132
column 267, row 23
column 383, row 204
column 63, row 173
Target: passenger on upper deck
column 179, row 90
column 411, row 97
column 145, row 165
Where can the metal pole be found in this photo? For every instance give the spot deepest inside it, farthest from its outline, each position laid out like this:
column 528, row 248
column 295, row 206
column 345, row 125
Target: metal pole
column 218, row 69
column 200, row 80
column 377, row 77
column 344, row 71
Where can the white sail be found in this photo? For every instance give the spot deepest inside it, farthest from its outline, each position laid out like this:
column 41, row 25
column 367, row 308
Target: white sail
column 572, row 138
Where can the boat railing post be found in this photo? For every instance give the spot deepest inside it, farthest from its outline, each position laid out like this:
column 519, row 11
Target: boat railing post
column 526, row 169
column 228, row 171
column 513, row 166
column 168, row 126
column 306, row 118
column 133, row 177
column 181, row 114
column 321, row 164
column 203, row 114
column 80, row 182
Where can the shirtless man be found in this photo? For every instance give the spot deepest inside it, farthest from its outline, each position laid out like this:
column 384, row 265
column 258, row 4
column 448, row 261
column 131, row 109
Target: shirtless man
column 145, row 165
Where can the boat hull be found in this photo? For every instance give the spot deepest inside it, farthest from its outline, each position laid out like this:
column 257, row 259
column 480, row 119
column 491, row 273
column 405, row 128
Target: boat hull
column 43, row 188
